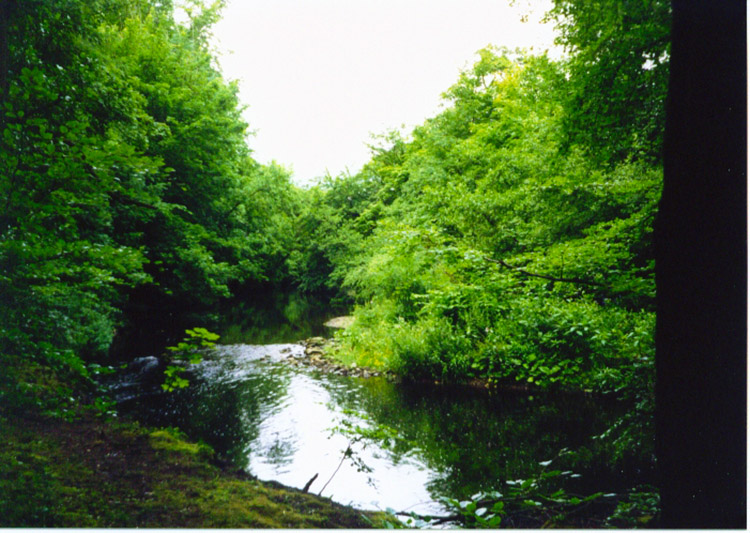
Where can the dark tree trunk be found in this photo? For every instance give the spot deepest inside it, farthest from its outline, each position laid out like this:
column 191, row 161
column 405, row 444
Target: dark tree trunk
column 5, row 13
column 8, row 10
column 701, row 271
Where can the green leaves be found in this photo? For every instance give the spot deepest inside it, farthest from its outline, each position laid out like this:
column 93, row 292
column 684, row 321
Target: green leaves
column 500, row 244
column 197, row 339
column 618, row 75
column 125, row 179
column 534, row 499
column 189, row 350
column 172, row 379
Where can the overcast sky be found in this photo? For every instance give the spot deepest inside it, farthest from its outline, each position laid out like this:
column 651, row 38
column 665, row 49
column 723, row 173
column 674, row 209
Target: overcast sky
column 320, row 76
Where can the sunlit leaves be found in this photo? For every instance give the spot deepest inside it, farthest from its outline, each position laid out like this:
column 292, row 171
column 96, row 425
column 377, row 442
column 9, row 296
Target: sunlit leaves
column 501, row 244
column 188, row 351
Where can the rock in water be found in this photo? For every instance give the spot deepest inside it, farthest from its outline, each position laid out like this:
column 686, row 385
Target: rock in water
column 340, row 322
column 315, row 341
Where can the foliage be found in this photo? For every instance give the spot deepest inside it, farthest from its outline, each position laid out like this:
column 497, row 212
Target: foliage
column 508, row 238
column 638, row 509
column 539, row 501
column 619, row 69
column 503, row 256
column 539, row 497
column 129, row 194
column 190, row 350
column 328, row 233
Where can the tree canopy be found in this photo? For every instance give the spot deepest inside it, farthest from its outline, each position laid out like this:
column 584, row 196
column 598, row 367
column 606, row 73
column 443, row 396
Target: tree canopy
column 506, row 240
column 128, row 186
column 509, row 238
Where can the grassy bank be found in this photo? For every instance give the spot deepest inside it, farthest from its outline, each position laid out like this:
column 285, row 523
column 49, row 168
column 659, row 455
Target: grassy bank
column 95, row 473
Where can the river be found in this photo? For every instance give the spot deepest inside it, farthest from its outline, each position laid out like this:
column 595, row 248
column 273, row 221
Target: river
column 409, row 445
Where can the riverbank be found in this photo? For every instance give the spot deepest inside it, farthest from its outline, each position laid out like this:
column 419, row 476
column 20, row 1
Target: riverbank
column 324, row 354
column 92, row 472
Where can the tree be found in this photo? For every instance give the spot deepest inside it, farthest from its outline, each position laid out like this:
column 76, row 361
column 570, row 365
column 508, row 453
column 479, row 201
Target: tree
column 128, row 190
column 701, row 272
column 618, row 75
column 495, row 253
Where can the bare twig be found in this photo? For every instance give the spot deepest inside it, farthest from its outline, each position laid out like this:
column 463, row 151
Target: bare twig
column 346, row 454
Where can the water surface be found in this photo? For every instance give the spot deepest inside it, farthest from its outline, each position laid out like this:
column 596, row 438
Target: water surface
column 287, row 424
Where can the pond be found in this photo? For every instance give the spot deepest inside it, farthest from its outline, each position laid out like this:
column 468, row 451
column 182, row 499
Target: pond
column 409, row 445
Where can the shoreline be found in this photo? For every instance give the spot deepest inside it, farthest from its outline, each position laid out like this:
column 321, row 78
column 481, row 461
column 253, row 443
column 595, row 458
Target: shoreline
column 116, row 473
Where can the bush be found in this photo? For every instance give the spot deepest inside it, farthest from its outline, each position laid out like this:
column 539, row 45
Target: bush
column 431, row 349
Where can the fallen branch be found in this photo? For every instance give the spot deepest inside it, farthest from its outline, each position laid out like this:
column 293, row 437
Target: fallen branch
column 435, row 519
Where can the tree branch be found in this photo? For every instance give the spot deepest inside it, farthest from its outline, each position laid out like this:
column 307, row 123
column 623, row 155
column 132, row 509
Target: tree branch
column 543, row 276
column 307, row 485
column 124, row 198
column 347, row 453
column 435, row 519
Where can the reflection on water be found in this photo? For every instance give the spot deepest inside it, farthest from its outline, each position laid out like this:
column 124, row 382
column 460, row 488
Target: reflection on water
column 279, row 422
column 274, row 318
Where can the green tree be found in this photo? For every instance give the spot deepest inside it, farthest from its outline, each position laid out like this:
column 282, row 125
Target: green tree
column 126, row 180
column 618, row 75
column 522, row 253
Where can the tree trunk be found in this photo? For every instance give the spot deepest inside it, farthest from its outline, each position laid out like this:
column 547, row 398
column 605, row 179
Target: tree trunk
column 5, row 13
column 701, row 267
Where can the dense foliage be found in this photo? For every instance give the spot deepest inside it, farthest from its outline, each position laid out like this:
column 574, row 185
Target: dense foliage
column 506, row 240
column 618, row 75
column 487, row 249
column 129, row 192
column 509, row 238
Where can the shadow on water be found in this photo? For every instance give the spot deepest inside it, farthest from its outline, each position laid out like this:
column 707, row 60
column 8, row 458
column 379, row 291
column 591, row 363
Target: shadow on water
column 256, row 315
column 288, row 423
column 275, row 318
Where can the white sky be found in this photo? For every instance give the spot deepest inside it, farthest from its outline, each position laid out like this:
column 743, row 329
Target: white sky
column 320, row 76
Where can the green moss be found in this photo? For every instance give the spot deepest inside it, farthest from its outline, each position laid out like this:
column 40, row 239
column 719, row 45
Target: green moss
column 171, row 440
column 92, row 473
